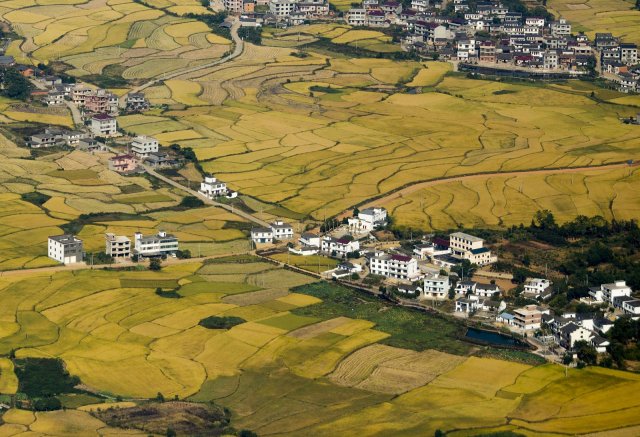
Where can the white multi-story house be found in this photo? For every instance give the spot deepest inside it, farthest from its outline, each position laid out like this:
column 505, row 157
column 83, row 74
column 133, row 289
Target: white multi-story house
column 212, row 187
column 155, row 245
column 66, row 249
column 262, row 235
column 465, row 246
column 420, row 5
column 435, row 286
column 534, row 21
column 536, row 287
column 476, row 288
column 282, row 8
column 142, row 146
column 281, row 230
column 341, row 246
column 572, row 333
column 608, row 292
column 560, row 28
column 309, row 239
column 103, row 125
column 394, row 266
column 357, row 17
column 117, row 246
column 368, row 219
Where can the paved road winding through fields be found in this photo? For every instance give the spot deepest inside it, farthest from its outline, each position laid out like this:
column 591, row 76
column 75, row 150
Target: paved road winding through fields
column 386, row 198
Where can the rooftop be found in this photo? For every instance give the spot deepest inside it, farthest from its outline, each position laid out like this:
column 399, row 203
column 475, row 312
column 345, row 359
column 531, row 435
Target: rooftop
column 464, row 236
column 65, row 239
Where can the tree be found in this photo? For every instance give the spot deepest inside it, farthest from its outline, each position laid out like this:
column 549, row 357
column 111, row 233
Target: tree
column 170, row 432
column 544, row 219
column 191, row 202
column 183, row 254
column 155, row 265
column 160, row 397
column 586, row 352
column 13, row 84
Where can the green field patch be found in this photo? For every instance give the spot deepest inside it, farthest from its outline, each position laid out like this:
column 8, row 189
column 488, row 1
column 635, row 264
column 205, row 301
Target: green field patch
column 289, row 321
column 130, row 199
column 74, row 175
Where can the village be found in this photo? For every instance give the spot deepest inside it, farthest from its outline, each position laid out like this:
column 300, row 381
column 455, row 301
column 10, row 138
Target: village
column 479, row 37
column 429, row 271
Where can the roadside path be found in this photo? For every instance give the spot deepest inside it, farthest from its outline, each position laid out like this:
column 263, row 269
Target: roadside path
column 237, row 51
column 386, row 198
column 206, row 200
column 122, row 264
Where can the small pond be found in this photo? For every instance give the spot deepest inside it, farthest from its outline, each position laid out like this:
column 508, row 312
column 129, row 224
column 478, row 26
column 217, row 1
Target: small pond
column 493, row 338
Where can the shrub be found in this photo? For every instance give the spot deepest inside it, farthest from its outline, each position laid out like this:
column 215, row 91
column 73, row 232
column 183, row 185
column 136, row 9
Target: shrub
column 215, row 322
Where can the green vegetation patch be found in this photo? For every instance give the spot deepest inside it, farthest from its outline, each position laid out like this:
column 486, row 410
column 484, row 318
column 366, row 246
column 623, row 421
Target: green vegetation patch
column 289, row 322
column 410, row 329
column 148, row 283
column 215, row 322
column 41, row 377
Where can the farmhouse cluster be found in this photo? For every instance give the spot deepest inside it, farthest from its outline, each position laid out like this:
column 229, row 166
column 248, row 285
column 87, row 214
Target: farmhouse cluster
column 68, row 249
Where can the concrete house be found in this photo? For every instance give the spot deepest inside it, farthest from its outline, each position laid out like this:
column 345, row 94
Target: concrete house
column 435, row 286
column 142, row 146
column 212, row 187
column 527, row 318
column 262, row 235
column 155, row 245
column 341, row 246
column 281, row 230
column 123, row 163
column 103, row 125
column 117, row 246
column 464, row 246
column 608, row 292
column 66, row 249
column 394, row 266
column 536, row 287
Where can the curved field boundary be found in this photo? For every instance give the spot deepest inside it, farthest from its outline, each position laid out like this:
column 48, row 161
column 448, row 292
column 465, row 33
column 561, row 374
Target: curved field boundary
column 385, row 198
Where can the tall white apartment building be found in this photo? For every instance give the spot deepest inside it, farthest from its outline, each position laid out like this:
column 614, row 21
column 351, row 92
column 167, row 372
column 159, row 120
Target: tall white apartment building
column 103, row 125
column 282, row 8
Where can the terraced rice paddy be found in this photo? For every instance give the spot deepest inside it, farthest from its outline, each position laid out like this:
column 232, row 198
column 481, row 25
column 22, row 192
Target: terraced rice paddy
column 590, row 16
column 315, row 376
column 317, row 138
column 139, row 41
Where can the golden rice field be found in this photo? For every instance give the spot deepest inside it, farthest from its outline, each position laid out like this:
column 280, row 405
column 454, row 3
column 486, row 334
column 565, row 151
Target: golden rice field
column 137, row 40
column 298, row 36
column 514, row 199
column 273, row 132
column 328, row 377
column 590, row 16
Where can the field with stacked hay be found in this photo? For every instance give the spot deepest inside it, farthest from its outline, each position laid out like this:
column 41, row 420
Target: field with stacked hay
column 317, row 375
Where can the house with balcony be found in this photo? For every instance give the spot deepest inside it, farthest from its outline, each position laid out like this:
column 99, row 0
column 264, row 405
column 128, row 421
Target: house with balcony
column 281, row 230
column 123, row 163
column 464, row 246
column 607, row 293
column 211, row 187
column 394, row 266
column 161, row 244
column 103, row 125
column 262, row 235
column 117, row 246
column 341, row 246
column 142, row 146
